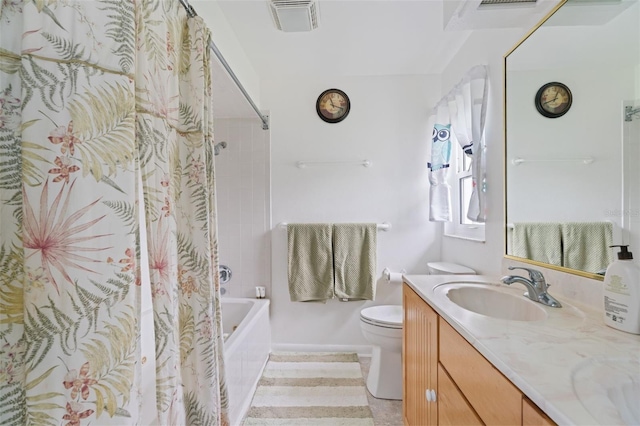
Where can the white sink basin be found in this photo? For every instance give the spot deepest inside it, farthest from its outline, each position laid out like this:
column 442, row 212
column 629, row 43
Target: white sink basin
column 493, row 301
column 612, row 386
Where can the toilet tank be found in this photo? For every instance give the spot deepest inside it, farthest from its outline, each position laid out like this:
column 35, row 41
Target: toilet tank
column 446, row 268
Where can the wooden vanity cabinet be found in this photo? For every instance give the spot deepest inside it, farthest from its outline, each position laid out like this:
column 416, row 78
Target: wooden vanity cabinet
column 533, row 416
column 419, row 360
column 469, row 390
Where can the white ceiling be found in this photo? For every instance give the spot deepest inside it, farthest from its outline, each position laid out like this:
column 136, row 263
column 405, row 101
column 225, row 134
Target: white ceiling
column 353, row 38
column 583, row 36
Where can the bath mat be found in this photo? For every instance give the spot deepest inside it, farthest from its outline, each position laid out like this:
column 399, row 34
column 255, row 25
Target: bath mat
column 310, row 389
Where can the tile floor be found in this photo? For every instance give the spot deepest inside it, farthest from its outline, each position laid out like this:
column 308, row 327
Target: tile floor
column 385, row 412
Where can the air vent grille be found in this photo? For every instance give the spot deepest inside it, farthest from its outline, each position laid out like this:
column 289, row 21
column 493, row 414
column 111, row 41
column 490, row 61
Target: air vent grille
column 294, row 15
column 494, row 2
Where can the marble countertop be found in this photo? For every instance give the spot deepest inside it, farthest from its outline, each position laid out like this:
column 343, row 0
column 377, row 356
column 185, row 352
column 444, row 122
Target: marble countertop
column 571, row 352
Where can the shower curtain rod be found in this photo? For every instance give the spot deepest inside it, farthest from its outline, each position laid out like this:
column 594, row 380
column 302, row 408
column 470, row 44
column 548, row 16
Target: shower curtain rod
column 191, row 13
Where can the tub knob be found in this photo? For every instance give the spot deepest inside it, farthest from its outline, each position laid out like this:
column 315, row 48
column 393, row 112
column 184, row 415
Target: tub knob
column 225, row 274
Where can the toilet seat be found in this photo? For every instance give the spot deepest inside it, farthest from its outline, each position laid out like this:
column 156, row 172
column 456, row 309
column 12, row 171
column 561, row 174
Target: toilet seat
column 387, row 316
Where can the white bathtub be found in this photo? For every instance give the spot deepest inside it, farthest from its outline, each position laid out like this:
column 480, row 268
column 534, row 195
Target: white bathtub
column 246, row 350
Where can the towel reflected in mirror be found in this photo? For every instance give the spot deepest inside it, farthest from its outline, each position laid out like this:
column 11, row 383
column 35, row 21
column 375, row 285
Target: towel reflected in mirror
column 582, row 246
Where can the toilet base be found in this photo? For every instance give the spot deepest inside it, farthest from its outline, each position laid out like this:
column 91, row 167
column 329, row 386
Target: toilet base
column 385, row 374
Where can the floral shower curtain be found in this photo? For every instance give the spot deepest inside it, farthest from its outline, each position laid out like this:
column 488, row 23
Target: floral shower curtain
column 94, row 97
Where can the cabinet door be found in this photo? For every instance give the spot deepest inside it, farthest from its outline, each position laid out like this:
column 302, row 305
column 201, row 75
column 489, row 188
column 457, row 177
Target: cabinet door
column 533, row 416
column 496, row 400
column 453, row 408
column 419, row 359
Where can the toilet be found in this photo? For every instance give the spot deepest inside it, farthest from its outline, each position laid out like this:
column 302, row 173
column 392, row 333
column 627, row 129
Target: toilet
column 382, row 327
column 446, row 268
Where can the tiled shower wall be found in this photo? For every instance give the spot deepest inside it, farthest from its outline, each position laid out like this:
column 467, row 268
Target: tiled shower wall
column 244, row 204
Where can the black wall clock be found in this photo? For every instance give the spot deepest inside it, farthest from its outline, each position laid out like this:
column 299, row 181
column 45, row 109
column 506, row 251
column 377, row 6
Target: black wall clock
column 333, row 105
column 553, row 100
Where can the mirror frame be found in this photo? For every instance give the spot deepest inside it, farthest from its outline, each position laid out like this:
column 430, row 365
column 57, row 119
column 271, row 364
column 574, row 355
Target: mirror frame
column 506, row 163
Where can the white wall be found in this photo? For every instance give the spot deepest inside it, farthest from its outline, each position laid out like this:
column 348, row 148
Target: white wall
column 567, row 191
column 243, row 201
column 387, row 125
column 489, row 47
column 485, row 47
column 229, row 46
column 590, row 59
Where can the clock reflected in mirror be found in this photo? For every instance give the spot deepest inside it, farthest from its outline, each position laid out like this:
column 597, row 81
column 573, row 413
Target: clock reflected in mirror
column 333, row 105
column 553, row 100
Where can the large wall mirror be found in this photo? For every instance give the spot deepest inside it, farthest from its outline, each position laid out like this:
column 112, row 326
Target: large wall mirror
column 573, row 181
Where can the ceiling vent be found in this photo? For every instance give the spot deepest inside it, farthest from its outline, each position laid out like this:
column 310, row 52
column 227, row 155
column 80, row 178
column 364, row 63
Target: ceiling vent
column 294, row 15
column 506, row 2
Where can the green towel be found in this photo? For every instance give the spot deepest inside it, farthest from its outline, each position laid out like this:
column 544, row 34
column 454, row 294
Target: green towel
column 354, row 260
column 310, row 261
column 541, row 241
column 586, row 245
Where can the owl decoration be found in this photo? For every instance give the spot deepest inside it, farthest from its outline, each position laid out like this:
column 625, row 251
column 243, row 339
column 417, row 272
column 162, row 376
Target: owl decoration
column 440, row 147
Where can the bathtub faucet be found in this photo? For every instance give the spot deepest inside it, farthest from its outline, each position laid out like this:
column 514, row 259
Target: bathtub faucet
column 225, row 274
column 219, row 146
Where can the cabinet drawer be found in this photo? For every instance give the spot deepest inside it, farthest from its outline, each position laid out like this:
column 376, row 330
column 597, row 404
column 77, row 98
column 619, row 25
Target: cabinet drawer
column 453, row 408
column 496, row 400
column 533, row 416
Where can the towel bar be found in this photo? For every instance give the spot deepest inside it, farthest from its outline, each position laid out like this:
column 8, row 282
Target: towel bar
column 384, row 226
column 517, row 160
column 304, row 164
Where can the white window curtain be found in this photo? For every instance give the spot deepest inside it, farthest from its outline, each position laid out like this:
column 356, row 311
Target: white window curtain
column 440, row 191
column 459, row 115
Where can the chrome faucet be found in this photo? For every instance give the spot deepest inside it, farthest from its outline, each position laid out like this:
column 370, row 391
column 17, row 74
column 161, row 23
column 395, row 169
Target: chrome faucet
column 536, row 286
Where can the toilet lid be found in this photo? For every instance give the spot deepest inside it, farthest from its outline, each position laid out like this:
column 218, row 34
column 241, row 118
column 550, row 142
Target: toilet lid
column 451, row 268
column 385, row 315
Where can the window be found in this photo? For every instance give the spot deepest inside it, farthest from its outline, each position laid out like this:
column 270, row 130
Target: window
column 461, row 188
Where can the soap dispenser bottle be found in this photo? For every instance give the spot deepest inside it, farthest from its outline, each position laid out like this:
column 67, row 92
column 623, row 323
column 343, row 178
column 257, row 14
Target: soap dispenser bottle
column 622, row 293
